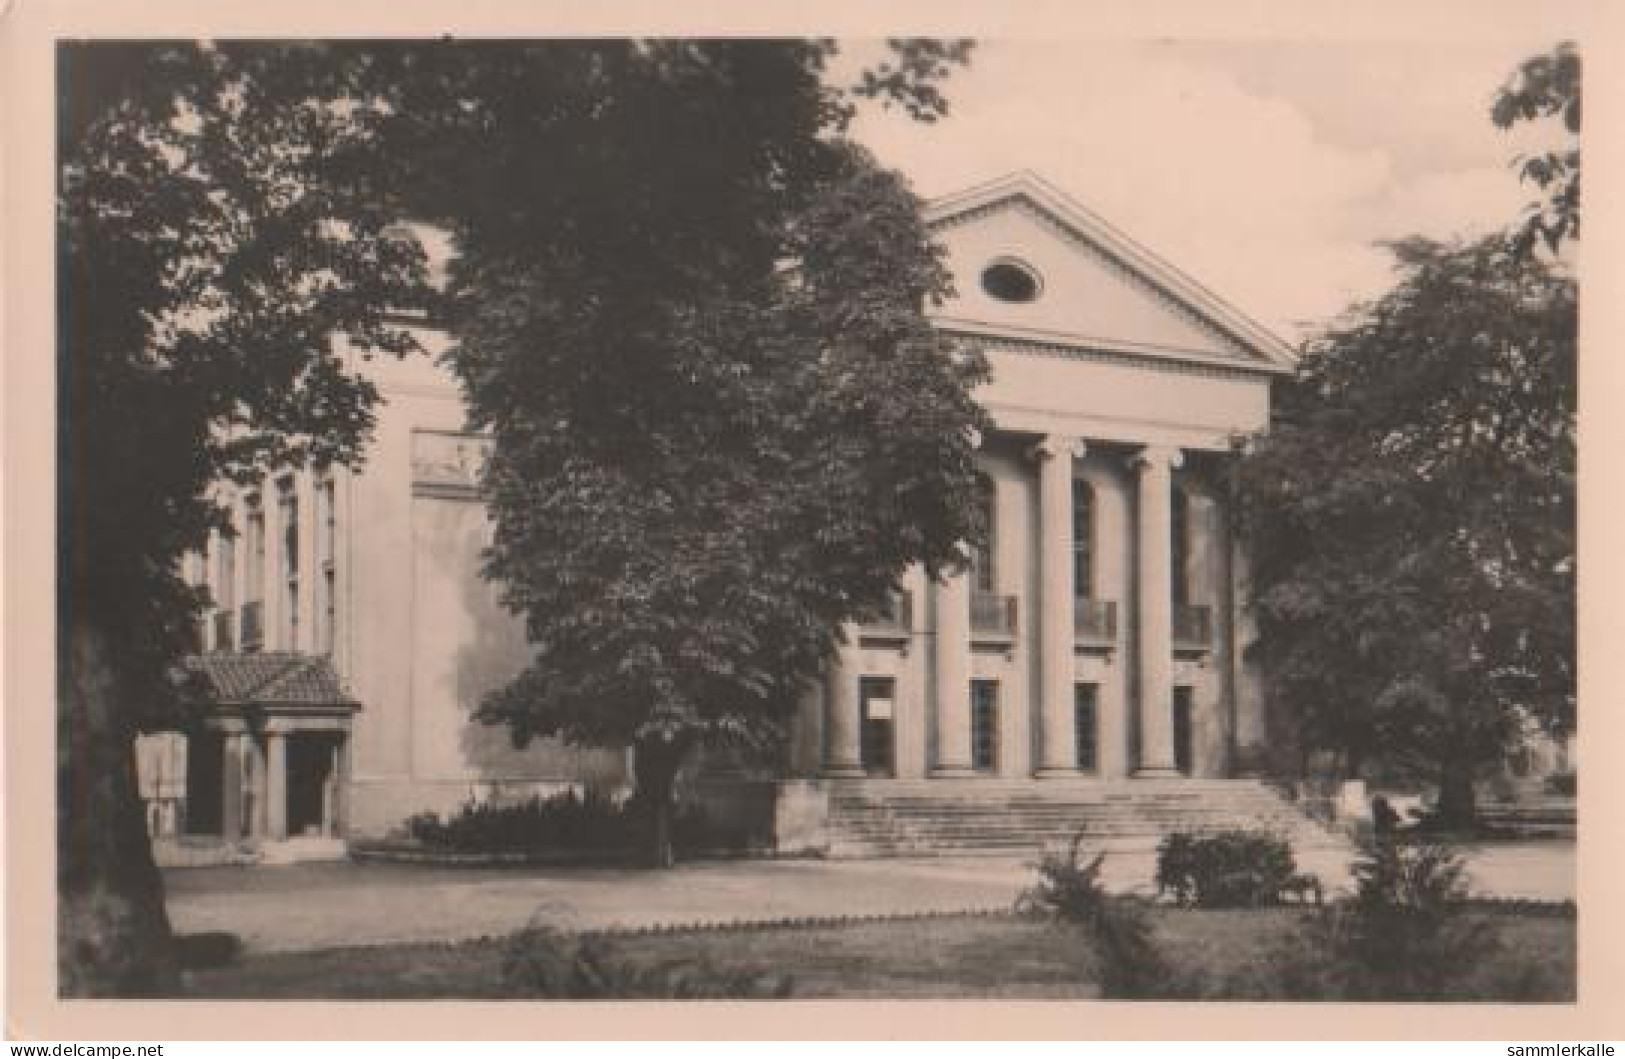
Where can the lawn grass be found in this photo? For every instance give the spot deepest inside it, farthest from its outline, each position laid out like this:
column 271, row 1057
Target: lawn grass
column 1230, row 953
column 1223, row 954
column 958, row 956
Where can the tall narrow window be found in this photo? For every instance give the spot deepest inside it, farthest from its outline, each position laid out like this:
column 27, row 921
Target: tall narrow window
column 982, row 561
column 254, row 546
column 326, row 560
column 288, row 505
column 252, row 634
column 225, row 584
column 1086, row 720
column 225, row 590
column 984, row 725
column 1179, row 519
column 1083, row 539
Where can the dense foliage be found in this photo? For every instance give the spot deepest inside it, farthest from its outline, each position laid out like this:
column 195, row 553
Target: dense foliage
column 1225, row 869
column 1410, row 518
column 220, row 235
column 226, row 225
column 692, row 321
column 569, row 824
column 1406, row 934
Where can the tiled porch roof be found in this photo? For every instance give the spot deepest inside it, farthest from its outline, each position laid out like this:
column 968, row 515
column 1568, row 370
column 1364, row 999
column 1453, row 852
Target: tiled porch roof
column 270, row 678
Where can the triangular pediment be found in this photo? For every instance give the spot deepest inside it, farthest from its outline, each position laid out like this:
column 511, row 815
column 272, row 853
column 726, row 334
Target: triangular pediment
column 1086, row 282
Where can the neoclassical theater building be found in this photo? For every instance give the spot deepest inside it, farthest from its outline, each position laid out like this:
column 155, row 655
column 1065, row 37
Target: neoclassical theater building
column 1088, row 666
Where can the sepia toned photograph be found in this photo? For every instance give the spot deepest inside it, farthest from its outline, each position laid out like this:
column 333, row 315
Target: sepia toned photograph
column 784, row 518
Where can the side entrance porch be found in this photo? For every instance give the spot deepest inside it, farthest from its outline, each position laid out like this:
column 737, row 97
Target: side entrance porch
column 264, row 774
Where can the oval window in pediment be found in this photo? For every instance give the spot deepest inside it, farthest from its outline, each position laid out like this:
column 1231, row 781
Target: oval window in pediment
column 1010, row 280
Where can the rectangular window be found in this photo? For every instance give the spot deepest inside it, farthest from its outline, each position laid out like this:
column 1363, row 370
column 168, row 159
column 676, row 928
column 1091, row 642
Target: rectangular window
column 288, row 506
column 1086, row 722
column 984, row 725
column 878, row 696
column 326, row 562
column 1083, row 539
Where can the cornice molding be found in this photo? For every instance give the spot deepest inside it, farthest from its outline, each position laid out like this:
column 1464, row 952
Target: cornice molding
column 1102, row 354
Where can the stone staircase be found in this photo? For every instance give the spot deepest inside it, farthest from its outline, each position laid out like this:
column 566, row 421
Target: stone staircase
column 939, row 817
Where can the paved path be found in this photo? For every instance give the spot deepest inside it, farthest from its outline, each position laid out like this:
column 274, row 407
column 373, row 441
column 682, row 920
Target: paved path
column 315, row 906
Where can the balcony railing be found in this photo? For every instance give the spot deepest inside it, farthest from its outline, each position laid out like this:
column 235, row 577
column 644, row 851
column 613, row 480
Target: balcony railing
column 1193, row 626
column 253, row 615
column 993, row 615
column 1094, row 620
column 223, row 628
column 896, row 619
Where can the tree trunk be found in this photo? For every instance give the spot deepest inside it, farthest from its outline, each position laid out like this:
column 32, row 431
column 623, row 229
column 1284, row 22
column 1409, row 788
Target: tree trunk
column 113, row 935
column 656, row 762
column 1458, row 809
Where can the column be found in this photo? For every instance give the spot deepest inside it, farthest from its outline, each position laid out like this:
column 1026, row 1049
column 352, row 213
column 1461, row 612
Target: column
column 341, row 786
column 254, row 765
column 231, row 787
column 843, row 717
column 276, row 786
column 1057, row 732
column 1155, row 465
column 952, row 659
column 911, row 724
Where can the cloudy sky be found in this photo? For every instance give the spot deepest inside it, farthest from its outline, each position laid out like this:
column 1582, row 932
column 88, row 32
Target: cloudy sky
column 1267, row 170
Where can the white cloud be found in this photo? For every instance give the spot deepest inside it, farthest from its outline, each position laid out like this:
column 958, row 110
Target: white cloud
column 1267, row 178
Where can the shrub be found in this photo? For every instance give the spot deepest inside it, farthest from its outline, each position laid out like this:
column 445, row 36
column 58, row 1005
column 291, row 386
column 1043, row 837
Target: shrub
column 1225, row 869
column 588, row 823
column 543, row 962
column 565, row 821
column 1407, row 934
column 1130, row 967
column 1562, row 783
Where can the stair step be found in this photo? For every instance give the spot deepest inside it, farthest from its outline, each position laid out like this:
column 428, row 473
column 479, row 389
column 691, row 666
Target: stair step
column 921, row 817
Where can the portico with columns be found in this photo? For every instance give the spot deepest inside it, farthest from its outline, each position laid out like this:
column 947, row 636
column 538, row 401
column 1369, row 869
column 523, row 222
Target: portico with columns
column 1098, row 634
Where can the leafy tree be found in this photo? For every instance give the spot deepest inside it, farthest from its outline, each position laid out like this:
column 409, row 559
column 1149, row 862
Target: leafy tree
column 1411, row 517
column 224, row 217
column 1547, row 86
column 692, row 320
column 217, row 230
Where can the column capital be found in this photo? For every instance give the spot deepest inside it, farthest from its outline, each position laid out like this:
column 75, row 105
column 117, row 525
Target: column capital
column 1157, row 455
column 1053, row 445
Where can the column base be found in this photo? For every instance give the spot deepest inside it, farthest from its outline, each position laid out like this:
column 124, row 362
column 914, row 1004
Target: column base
column 952, row 772
column 1048, row 773
column 845, row 772
column 1158, row 772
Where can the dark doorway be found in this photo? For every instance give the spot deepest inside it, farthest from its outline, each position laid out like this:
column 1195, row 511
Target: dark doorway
column 1182, row 729
column 312, row 772
column 879, row 711
column 205, row 783
column 984, row 725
